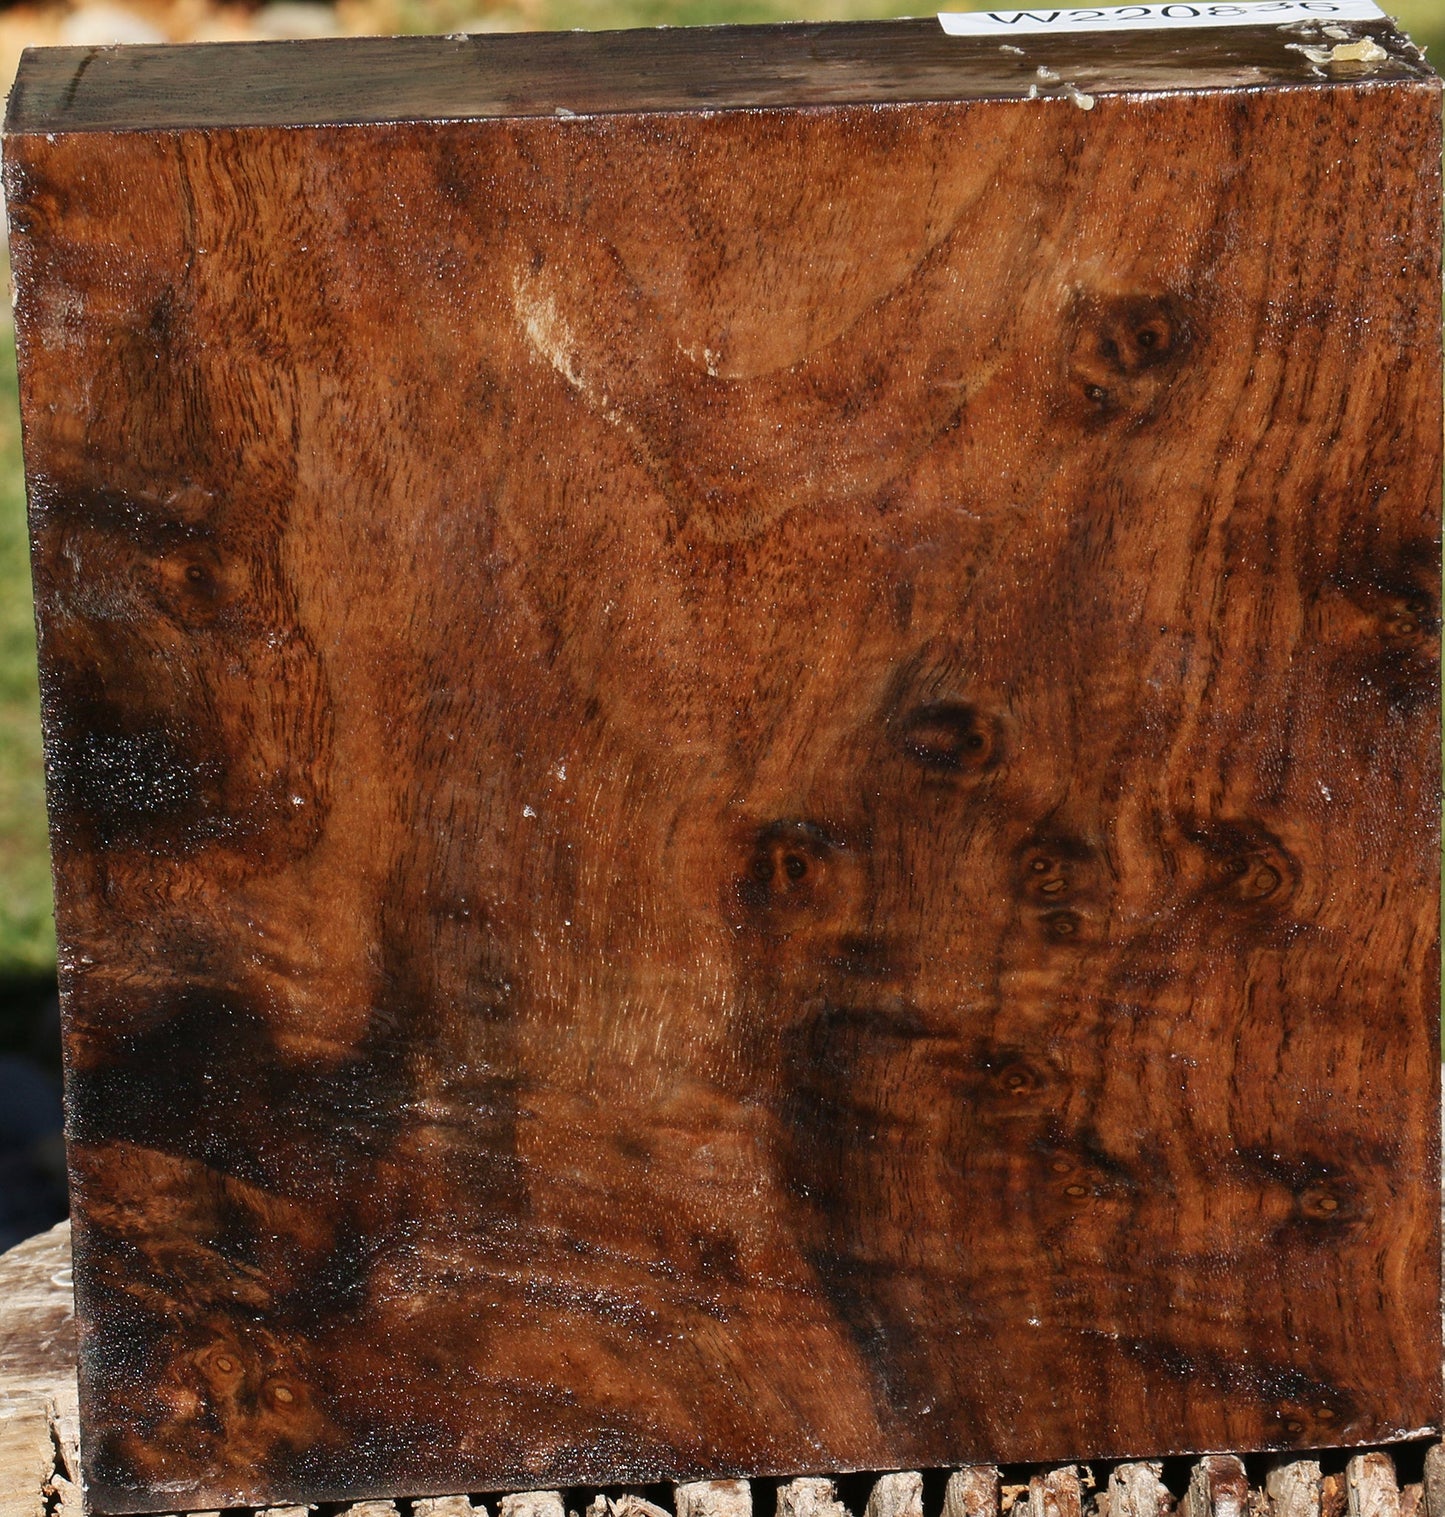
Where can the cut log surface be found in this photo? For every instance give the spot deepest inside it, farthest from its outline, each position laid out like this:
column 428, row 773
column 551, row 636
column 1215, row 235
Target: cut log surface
column 537, row 1504
column 1434, row 1482
column 896, row 1495
column 1218, row 1487
column 1293, row 1488
column 1138, row 1490
column 714, row 1498
column 37, row 1377
column 626, row 1505
column 811, row 1496
column 742, row 739
column 972, row 1492
column 1370, row 1486
column 1056, row 1493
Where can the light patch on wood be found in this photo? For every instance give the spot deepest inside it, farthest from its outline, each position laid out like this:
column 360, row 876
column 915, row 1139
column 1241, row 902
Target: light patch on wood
column 1370, row 1486
column 547, row 330
column 532, row 1504
column 896, row 1495
column 714, row 1498
column 972, row 1492
column 1218, row 1487
column 1138, row 1490
column 1294, row 1488
column 1366, row 50
column 810, row 1497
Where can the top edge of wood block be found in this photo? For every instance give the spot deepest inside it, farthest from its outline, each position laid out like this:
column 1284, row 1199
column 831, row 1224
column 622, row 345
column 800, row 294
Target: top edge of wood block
column 379, row 80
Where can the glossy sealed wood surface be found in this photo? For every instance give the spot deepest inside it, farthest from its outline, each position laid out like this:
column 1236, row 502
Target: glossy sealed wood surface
column 376, row 79
column 745, row 791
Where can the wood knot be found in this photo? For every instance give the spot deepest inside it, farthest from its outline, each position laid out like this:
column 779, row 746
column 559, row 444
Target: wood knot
column 222, row 1365
column 1317, row 1420
column 1121, row 352
column 1059, row 876
column 1326, row 1201
column 194, row 589
column 1062, row 925
column 951, row 737
column 1381, row 608
column 1082, row 1171
column 1006, row 1075
column 1239, row 861
column 793, row 869
column 1017, row 1079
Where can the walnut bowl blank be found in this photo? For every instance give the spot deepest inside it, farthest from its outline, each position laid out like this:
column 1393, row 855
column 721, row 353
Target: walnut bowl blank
column 743, row 749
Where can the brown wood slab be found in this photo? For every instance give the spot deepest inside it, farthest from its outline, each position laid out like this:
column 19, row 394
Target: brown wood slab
column 33, row 1304
column 40, row 1454
column 740, row 785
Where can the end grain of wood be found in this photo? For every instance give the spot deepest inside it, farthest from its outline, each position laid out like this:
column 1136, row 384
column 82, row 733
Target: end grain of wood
column 1138, row 1490
column 1293, row 1488
column 897, row 1495
column 972, row 1492
column 1371, row 1487
column 715, row 1498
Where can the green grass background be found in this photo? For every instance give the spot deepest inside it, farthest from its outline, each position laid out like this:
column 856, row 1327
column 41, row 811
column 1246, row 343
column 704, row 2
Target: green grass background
column 27, row 939
column 27, row 935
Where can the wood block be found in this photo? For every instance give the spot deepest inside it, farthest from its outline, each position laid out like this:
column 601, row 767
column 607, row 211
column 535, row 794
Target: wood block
column 37, row 1377
column 973, row 1492
column 1056, row 1493
column 742, row 748
column 1293, row 1488
column 1370, row 1486
column 1218, row 1487
column 714, row 1498
column 896, row 1495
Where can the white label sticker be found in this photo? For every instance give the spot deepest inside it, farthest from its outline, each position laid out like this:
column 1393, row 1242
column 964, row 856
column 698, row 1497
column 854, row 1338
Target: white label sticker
column 1131, row 18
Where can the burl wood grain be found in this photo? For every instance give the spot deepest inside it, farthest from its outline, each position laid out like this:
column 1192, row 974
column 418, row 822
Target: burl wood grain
column 742, row 791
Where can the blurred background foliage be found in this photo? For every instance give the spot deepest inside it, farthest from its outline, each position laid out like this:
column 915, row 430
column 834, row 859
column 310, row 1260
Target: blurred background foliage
column 27, row 942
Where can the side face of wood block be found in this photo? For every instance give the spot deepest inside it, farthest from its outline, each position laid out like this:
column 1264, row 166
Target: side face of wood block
column 739, row 790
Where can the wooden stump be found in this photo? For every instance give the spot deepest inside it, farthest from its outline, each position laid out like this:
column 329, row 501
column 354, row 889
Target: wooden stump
column 39, row 1423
